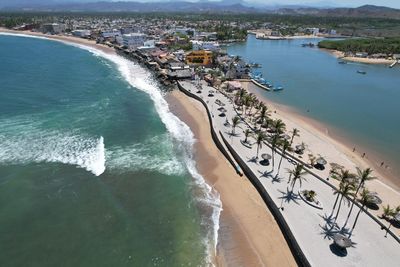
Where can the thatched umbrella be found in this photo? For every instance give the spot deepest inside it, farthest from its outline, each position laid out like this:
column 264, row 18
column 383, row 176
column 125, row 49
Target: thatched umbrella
column 342, row 241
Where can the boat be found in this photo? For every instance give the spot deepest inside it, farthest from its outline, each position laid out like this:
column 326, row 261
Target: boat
column 342, row 62
column 361, row 72
column 277, row 88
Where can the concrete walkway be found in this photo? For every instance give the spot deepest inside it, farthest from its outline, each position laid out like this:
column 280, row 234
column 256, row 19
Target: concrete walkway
column 308, row 224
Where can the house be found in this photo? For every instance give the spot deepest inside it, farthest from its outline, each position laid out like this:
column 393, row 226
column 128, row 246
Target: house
column 362, row 54
column 133, row 40
column 81, row 33
column 202, row 45
column 200, row 57
column 178, row 70
column 53, row 28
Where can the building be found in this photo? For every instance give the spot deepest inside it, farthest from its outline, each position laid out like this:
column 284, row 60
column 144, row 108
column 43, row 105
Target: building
column 81, row 33
column 53, row 28
column 110, row 34
column 178, row 70
column 200, row 45
column 200, row 57
column 133, row 40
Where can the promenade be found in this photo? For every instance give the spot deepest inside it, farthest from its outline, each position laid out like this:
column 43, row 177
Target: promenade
column 307, row 224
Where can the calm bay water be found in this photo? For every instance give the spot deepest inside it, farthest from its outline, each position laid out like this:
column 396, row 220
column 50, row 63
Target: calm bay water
column 363, row 109
column 90, row 173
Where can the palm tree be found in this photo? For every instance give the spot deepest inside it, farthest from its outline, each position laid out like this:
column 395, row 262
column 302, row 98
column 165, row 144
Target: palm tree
column 346, row 190
column 343, row 176
column 264, row 114
column 363, row 176
column 285, row 146
column 364, row 200
column 275, row 140
column 246, row 102
column 388, row 213
column 260, row 137
column 297, row 174
column 235, row 122
column 240, row 94
column 247, row 133
column 279, row 126
column 295, row 132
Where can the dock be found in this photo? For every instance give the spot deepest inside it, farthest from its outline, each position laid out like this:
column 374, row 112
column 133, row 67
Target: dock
column 260, row 85
column 394, row 64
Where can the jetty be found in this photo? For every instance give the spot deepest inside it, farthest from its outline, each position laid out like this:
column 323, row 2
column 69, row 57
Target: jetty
column 394, row 63
column 260, row 85
column 312, row 235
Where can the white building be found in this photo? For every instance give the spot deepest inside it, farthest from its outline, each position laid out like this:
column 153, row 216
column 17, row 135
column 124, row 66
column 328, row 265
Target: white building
column 110, row 34
column 133, row 40
column 200, row 45
column 53, row 28
column 81, row 33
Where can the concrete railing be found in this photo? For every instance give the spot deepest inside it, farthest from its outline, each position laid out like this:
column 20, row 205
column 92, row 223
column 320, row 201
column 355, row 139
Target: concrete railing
column 287, row 233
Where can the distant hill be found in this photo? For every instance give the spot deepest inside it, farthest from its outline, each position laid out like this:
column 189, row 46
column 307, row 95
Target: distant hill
column 366, row 11
column 231, row 6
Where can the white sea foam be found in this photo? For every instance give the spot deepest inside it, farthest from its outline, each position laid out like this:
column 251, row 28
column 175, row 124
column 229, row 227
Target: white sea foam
column 26, row 144
column 141, row 79
column 155, row 154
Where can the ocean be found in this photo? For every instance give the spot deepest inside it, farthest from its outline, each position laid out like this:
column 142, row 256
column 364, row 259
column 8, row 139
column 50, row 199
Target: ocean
column 94, row 168
column 361, row 109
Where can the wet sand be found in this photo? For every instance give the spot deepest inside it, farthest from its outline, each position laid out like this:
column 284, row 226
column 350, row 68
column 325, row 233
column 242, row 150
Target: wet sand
column 248, row 235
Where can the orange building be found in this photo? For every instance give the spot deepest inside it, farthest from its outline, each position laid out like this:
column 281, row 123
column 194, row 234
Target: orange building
column 200, row 57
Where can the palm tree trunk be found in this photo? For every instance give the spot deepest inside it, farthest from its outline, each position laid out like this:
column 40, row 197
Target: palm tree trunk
column 340, row 204
column 355, row 221
column 280, row 162
column 334, row 205
column 352, row 205
column 258, row 148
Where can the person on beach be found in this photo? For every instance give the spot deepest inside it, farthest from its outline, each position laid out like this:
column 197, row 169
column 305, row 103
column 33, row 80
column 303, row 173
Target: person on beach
column 363, row 155
column 354, row 149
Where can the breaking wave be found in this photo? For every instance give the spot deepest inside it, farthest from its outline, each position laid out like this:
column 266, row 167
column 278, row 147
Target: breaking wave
column 27, row 144
column 91, row 154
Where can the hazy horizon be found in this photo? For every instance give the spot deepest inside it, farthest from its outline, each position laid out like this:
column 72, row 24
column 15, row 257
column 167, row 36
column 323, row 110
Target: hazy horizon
column 316, row 3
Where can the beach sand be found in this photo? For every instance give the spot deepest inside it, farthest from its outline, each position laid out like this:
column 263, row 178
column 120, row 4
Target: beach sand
column 248, row 235
column 321, row 141
column 339, row 54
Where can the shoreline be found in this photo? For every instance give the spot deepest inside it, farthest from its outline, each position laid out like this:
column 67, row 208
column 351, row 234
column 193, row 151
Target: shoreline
column 243, row 237
column 249, row 234
column 340, row 55
column 320, row 138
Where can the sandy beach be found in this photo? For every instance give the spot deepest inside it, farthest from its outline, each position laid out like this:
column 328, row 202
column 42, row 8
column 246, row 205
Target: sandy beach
column 339, row 54
column 248, row 235
column 321, row 141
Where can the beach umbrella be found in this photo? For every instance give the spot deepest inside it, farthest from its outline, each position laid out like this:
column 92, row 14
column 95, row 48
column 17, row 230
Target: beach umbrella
column 374, row 199
column 342, row 241
column 266, row 156
column 321, row 161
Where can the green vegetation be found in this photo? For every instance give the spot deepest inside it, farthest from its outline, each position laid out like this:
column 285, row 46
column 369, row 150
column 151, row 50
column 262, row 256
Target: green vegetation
column 370, row 45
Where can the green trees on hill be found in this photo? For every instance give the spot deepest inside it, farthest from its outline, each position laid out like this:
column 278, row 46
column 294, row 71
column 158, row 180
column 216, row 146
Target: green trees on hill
column 370, row 45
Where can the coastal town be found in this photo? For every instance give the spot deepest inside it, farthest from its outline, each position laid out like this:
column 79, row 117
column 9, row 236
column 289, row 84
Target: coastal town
column 332, row 210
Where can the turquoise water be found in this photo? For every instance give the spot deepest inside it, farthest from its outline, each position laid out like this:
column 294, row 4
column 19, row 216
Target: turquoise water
column 94, row 170
column 363, row 109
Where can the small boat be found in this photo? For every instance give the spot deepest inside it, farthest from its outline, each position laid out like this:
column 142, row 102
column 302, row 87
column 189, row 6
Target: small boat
column 342, row 62
column 277, row 88
column 361, row 72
